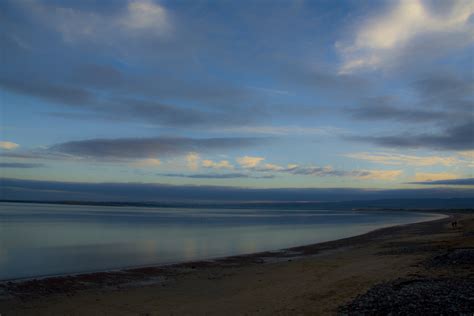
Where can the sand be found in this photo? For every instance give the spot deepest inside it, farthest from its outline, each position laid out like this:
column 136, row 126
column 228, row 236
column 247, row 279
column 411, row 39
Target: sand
column 309, row 280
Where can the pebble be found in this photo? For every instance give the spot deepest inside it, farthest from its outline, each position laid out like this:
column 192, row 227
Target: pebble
column 460, row 256
column 409, row 297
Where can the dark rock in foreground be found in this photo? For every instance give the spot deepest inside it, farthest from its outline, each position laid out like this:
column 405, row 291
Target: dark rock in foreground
column 415, row 297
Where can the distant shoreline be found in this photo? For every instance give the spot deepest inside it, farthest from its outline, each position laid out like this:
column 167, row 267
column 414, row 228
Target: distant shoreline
column 434, row 205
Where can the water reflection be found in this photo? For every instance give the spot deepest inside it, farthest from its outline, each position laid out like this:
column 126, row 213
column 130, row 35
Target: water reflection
column 40, row 239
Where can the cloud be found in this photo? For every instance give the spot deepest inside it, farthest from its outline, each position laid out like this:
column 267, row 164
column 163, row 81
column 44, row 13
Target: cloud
column 18, row 189
column 466, row 181
column 77, row 23
column 215, row 176
column 223, row 164
column 382, row 39
column 469, row 154
column 142, row 152
column 252, row 167
column 249, row 161
column 158, row 76
column 138, row 98
column 118, row 108
column 161, row 114
column 360, row 174
column 273, row 167
column 399, row 159
column 434, row 176
column 440, row 97
column 314, row 171
column 49, row 91
column 8, row 145
column 20, row 165
column 146, row 163
column 326, row 171
column 159, row 88
column 284, row 130
column 321, row 79
column 254, row 164
column 377, row 174
column 192, row 161
column 443, row 86
column 143, row 148
column 123, row 108
column 383, row 108
column 459, row 137
column 146, row 15
column 37, row 154
column 448, row 90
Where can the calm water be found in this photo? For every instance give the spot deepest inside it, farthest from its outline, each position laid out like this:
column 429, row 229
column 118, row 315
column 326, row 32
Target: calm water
column 45, row 239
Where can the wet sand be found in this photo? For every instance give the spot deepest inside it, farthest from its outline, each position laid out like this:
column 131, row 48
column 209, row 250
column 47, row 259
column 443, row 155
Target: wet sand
column 309, row 280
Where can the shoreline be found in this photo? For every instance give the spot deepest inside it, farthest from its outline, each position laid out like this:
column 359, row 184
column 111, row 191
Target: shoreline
column 311, row 279
column 266, row 254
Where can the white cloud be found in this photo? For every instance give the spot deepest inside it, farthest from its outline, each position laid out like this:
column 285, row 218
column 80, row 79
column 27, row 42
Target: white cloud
column 434, row 176
column 378, row 174
column 398, row 159
column 249, row 162
column 192, row 161
column 272, row 167
column 145, row 163
column 255, row 164
column 8, row 145
column 145, row 16
column 223, row 164
column 382, row 38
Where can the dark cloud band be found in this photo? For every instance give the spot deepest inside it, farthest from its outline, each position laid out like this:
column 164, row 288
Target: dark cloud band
column 56, row 190
column 20, row 165
column 460, row 137
column 129, row 148
column 465, row 181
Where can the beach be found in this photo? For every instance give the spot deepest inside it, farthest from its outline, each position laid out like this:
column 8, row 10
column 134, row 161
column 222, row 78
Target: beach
column 229, row 157
column 317, row 279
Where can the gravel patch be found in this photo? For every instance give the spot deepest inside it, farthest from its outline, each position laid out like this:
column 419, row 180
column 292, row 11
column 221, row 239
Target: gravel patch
column 455, row 257
column 415, row 297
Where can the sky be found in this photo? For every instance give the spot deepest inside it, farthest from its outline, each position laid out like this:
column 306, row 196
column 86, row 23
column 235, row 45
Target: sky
column 367, row 96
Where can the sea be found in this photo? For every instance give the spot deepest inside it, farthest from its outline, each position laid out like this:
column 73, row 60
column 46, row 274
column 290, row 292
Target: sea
column 38, row 240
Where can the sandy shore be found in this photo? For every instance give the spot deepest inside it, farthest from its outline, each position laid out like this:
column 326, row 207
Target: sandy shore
column 310, row 280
